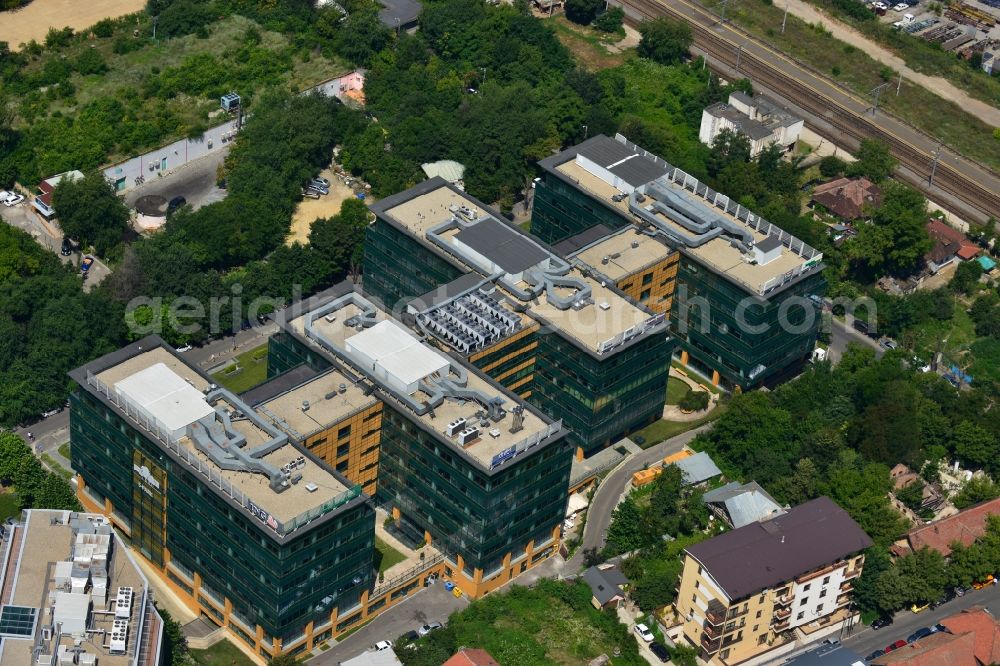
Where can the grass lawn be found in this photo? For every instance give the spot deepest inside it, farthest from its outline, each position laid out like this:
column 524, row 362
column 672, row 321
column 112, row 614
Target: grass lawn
column 662, row 429
column 387, row 555
column 676, row 389
column 855, row 70
column 9, row 506
column 222, row 653
column 588, row 46
column 56, row 467
column 253, row 370
column 64, row 451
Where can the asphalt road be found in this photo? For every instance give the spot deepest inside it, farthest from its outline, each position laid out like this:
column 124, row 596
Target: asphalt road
column 611, row 488
column 194, row 181
column 431, row 604
column 865, row 641
column 842, row 334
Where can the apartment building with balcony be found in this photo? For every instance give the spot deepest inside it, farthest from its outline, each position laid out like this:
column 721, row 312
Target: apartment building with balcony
column 748, row 591
column 463, row 463
column 744, row 307
column 551, row 328
column 226, row 501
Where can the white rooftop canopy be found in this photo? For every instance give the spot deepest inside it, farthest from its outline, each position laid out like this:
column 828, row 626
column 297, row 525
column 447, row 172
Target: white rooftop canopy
column 395, row 356
column 165, row 397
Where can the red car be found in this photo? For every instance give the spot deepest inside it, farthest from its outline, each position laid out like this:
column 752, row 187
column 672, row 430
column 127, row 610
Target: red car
column 895, row 646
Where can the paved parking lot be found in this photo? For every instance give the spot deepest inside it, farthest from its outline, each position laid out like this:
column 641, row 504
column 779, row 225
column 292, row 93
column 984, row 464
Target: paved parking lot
column 194, row 181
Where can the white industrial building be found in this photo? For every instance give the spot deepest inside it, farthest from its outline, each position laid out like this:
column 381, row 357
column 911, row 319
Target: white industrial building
column 757, row 118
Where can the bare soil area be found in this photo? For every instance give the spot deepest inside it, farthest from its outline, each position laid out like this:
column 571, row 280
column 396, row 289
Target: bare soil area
column 34, row 20
column 310, row 210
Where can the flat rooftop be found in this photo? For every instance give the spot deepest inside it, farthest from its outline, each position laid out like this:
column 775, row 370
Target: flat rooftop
column 31, row 554
column 332, row 397
column 624, row 253
column 317, row 484
column 580, row 166
column 479, row 240
column 334, row 329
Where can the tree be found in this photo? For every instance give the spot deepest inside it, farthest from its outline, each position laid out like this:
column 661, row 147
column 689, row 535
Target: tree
column 874, row 161
column 729, row 147
column 657, row 586
column 897, row 240
column 283, row 659
column 625, row 531
column 175, row 647
column 664, row 40
column 694, row 401
column 583, row 12
column 976, row 490
column 966, row 277
column 831, row 166
column 90, row 212
column 975, row 445
column 611, row 20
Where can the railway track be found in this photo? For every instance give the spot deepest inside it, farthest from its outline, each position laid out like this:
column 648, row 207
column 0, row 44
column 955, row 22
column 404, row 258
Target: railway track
column 974, row 185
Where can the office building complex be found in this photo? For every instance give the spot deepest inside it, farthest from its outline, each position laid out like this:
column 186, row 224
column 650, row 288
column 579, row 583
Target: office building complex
column 72, row 594
column 464, row 464
column 745, row 592
column 744, row 307
column 227, row 501
column 556, row 330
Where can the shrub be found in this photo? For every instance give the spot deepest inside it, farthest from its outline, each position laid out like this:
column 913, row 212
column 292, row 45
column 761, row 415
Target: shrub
column 611, row 20
column 694, row 401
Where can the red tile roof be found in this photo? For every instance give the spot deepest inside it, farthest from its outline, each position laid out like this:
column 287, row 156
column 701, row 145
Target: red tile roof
column 979, row 622
column 847, row 198
column 471, row 657
column 935, row 650
column 965, row 527
column 949, row 241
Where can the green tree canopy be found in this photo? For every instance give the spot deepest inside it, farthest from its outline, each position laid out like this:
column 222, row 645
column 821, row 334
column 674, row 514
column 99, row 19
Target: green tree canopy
column 90, row 212
column 664, row 40
column 874, row 161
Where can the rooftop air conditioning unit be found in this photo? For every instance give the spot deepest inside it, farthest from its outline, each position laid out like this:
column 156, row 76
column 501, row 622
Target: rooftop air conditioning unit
column 331, row 318
column 467, row 436
column 454, row 427
column 312, row 487
column 605, row 305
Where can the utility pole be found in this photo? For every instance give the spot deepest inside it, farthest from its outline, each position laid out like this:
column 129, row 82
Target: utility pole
column 875, row 92
column 739, row 54
column 586, row 131
column 154, row 27
column 724, row 4
column 937, row 156
column 899, row 83
column 784, row 19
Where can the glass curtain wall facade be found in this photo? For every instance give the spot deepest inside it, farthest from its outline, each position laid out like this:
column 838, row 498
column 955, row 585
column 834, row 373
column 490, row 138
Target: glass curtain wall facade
column 747, row 340
column 468, row 512
column 601, row 400
column 277, row 587
column 559, row 210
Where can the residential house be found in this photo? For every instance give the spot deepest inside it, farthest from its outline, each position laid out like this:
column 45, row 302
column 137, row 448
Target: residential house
column 972, row 639
column 757, row 118
column 950, row 245
column 607, row 583
column 471, row 657
column 745, row 592
column 849, row 199
column 964, row 527
column 43, row 199
column 741, row 504
column 902, row 477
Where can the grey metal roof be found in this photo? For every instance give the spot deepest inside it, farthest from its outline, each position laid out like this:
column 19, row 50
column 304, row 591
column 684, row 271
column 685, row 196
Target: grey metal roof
column 768, row 244
column 582, row 239
column 509, row 249
column 697, row 468
column 632, row 167
column 744, row 504
column 763, row 555
column 443, row 292
column 827, row 655
column 605, row 583
column 399, row 13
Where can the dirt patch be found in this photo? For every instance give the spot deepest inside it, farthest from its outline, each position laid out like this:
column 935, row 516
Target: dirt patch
column 34, row 20
column 587, row 45
column 310, row 210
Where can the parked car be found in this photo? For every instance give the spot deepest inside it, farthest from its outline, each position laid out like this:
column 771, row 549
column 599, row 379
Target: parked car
column 874, row 655
column 13, row 199
column 861, row 326
column 86, row 263
column 644, row 632
column 901, row 7
column 880, row 622
column 919, row 633
column 410, row 636
column 311, row 194
column 51, row 412
column 889, row 343
column 921, row 606
column 382, row 645
column 182, row 349
column 661, row 651
column 175, row 203
column 67, row 247
column 895, row 646
column 980, row 584
column 320, row 185
column 960, row 591
column 321, row 181
column 428, row 628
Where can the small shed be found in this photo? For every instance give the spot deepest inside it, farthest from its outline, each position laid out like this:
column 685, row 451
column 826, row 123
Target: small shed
column 230, row 102
column 698, row 468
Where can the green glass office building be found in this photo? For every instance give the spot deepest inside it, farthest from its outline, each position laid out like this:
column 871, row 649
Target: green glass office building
column 744, row 309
